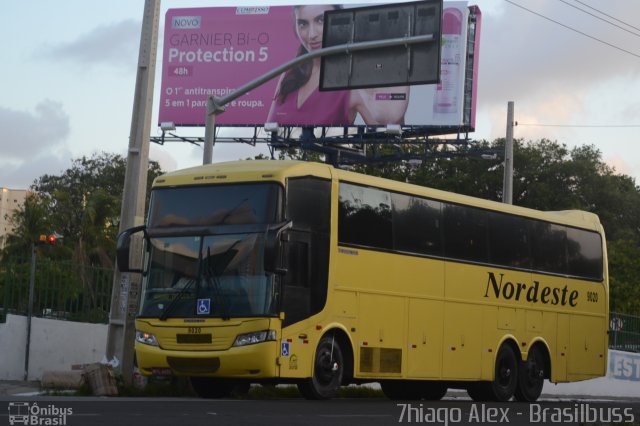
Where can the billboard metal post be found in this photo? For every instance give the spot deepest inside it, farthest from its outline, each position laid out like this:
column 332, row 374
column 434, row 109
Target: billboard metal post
column 124, row 297
column 209, row 139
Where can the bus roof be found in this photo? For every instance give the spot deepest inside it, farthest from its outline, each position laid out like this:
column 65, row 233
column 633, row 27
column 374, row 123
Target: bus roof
column 242, row 171
column 279, row 170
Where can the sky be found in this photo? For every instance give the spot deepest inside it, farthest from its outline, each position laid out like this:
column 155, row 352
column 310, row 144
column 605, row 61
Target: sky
column 69, row 68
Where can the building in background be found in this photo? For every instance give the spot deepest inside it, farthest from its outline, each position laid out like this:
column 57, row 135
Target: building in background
column 10, row 201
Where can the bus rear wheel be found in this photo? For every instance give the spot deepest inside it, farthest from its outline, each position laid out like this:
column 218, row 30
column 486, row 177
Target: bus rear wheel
column 531, row 376
column 505, row 381
column 214, row 388
column 328, row 370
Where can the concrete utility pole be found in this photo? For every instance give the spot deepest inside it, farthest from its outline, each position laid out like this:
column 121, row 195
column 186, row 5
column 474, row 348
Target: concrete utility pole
column 507, row 183
column 125, row 293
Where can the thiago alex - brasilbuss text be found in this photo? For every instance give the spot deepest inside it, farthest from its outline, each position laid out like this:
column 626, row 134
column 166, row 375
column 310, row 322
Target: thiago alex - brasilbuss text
column 537, row 413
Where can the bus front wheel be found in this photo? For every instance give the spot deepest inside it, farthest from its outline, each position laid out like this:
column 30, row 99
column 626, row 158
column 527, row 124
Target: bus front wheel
column 328, row 369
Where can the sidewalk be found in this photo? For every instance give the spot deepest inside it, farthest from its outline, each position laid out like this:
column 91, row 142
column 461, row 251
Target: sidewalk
column 18, row 387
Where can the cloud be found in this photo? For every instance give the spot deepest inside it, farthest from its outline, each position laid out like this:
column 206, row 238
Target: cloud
column 115, row 45
column 165, row 159
column 20, row 175
column 26, row 134
column 524, row 56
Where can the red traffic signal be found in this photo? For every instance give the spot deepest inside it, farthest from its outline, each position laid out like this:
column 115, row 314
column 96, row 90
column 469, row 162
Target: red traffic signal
column 50, row 239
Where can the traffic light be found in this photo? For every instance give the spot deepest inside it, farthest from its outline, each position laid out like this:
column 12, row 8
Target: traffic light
column 50, row 239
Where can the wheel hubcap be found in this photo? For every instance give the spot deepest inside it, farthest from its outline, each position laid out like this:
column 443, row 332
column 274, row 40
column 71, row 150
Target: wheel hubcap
column 326, row 368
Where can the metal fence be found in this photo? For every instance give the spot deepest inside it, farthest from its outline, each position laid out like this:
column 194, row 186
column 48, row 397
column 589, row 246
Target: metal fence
column 624, row 332
column 63, row 290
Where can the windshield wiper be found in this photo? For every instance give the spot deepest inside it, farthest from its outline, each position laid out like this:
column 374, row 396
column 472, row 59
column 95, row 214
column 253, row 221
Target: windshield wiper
column 172, row 305
column 183, row 290
column 214, row 267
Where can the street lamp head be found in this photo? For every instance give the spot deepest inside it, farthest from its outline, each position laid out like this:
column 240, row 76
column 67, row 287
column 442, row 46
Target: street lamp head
column 167, row 126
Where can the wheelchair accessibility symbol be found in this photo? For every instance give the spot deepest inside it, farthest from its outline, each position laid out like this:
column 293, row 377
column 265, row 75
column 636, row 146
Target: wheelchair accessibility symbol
column 284, row 349
column 203, row 306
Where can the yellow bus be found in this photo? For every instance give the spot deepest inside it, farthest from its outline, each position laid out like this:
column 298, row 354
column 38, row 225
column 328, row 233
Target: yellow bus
column 299, row 272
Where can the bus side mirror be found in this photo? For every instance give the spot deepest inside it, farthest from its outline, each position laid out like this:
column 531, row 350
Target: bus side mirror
column 273, row 249
column 123, row 249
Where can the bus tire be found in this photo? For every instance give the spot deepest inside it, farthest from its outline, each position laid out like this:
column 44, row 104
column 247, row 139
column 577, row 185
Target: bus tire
column 505, row 381
column 214, row 388
column 531, row 376
column 328, row 370
column 504, row 384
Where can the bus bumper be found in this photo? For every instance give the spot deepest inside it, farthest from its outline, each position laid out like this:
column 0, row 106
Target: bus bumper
column 257, row 361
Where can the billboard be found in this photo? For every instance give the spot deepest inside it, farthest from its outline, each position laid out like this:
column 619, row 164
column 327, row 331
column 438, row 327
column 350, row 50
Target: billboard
column 213, row 51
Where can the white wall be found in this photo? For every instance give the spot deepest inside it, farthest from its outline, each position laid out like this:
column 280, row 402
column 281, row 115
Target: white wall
column 55, row 345
column 622, row 379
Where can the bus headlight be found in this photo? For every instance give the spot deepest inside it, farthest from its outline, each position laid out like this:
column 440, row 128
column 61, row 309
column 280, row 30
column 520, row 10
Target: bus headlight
column 255, row 337
column 146, row 338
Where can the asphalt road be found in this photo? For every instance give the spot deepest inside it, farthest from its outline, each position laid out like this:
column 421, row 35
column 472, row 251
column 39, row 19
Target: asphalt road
column 352, row 412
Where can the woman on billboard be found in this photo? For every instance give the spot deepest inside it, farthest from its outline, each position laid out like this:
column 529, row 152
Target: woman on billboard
column 298, row 101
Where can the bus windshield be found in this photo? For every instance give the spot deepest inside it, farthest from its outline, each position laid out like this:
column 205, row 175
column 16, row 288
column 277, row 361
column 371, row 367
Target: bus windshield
column 202, row 275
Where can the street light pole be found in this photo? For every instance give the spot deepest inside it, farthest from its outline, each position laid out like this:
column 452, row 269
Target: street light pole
column 507, row 183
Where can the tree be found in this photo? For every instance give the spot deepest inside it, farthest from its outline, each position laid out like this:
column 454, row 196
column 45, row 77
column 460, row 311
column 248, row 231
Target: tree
column 29, row 221
column 83, row 205
column 624, row 270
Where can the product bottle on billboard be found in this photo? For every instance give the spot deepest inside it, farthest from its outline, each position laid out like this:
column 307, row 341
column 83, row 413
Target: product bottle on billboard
column 446, row 99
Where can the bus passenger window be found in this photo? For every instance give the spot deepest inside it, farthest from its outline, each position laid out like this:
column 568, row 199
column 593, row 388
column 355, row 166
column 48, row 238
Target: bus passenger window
column 465, row 230
column 509, row 242
column 549, row 247
column 584, row 253
column 416, row 225
column 364, row 217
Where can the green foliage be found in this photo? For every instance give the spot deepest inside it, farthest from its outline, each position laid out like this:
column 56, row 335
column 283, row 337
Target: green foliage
column 624, row 276
column 30, row 221
column 82, row 204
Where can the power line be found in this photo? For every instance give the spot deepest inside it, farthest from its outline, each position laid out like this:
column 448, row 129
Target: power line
column 598, row 17
column 574, row 30
column 606, row 14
